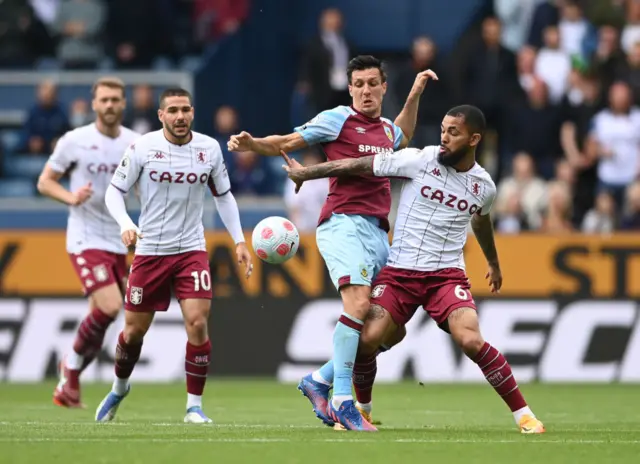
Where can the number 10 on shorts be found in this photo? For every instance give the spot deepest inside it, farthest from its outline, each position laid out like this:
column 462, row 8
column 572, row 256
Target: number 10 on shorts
column 202, row 280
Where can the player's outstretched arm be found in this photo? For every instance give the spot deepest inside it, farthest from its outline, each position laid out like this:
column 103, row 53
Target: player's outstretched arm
column 269, row 146
column 230, row 215
column 483, row 230
column 343, row 167
column 408, row 117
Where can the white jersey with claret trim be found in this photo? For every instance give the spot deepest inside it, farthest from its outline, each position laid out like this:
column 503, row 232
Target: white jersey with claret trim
column 172, row 182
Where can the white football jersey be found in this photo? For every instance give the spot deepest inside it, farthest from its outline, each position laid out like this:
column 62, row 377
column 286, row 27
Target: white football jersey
column 91, row 157
column 172, row 181
column 436, row 205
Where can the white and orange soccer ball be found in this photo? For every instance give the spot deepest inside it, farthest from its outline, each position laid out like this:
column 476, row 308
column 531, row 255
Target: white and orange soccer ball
column 275, row 240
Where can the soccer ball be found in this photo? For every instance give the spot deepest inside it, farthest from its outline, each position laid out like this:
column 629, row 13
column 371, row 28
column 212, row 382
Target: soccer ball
column 275, row 240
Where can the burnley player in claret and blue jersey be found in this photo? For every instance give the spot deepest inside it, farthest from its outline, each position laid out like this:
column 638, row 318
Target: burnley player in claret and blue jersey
column 352, row 234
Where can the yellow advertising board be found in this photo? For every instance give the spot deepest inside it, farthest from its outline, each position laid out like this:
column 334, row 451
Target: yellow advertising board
column 35, row 263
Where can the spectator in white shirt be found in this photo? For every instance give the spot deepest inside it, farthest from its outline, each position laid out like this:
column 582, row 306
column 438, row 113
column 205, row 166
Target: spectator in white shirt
column 615, row 142
column 553, row 65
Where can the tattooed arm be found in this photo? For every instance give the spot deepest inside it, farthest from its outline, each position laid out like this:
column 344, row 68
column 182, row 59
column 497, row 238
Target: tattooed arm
column 339, row 168
column 483, row 230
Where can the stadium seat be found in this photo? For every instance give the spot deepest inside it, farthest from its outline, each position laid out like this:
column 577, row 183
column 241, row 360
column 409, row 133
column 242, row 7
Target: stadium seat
column 47, row 64
column 17, row 188
column 10, row 140
column 162, row 63
column 24, row 166
column 191, row 63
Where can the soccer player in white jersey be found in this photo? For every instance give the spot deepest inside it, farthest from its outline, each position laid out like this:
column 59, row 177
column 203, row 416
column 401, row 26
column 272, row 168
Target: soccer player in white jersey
column 444, row 190
column 91, row 155
column 173, row 168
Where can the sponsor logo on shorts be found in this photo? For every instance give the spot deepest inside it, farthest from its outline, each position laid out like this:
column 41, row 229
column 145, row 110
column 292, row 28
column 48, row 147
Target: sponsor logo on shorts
column 377, row 291
column 135, row 295
column 100, row 273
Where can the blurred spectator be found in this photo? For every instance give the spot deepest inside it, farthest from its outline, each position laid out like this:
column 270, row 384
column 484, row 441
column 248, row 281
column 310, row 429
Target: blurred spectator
column 526, row 62
column 304, row 207
column 436, row 98
column 80, row 115
column 553, row 65
column 249, row 174
column 142, row 115
column 631, row 31
column 535, row 128
column 602, row 218
column 136, row 33
column 490, row 70
column 615, row 142
column 23, row 38
column 216, row 18
column 631, row 219
column 579, row 106
column 524, row 185
column 629, row 72
column 324, row 63
column 577, row 34
column 545, row 14
column 80, row 24
column 225, row 124
column 46, row 122
column 557, row 217
column 515, row 17
column 512, row 219
column 565, row 174
column 608, row 57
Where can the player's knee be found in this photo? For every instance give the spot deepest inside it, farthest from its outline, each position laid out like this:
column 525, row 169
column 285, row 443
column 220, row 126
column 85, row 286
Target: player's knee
column 396, row 337
column 356, row 301
column 133, row 333
column 369, row 343
column 197, row 326
column 469, row 341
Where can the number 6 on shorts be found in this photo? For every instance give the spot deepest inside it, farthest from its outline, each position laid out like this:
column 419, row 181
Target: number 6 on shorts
column 202, row 279
column 461, row 293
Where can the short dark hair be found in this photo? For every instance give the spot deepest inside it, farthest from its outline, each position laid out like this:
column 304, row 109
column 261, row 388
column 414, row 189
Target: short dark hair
column 174, row 92
column 473, row 117
column 362, row 62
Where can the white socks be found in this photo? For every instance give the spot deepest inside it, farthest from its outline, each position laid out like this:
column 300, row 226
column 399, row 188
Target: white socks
column 120, row 386
column 194, row 400
column 337, row 400
column 366, row 407
column 517, row 415
column 73, row 361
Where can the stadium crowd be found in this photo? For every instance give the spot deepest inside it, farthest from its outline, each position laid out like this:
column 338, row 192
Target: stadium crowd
column 559, row 84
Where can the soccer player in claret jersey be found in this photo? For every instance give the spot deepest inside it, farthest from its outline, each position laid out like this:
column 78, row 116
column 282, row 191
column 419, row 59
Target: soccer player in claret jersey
column 173, row 167
column 352, row 235
column 90, row 154
column 444, row 190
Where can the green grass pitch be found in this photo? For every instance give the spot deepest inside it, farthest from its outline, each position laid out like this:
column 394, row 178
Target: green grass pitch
column 265, row 422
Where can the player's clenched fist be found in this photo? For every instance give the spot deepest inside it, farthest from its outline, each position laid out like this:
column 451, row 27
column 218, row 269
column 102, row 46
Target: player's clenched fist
column 241, row 142
column 130, row 237
column 82, row 194
column 244, row 257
